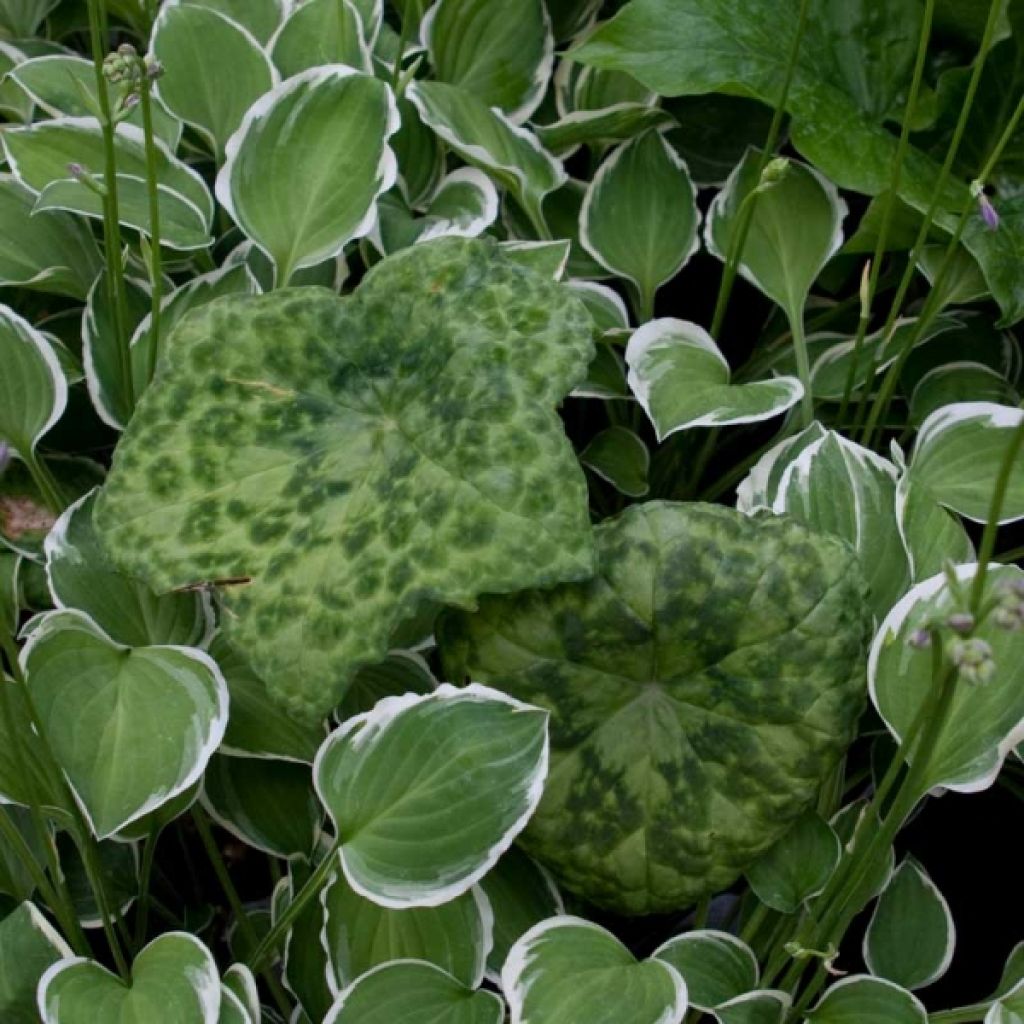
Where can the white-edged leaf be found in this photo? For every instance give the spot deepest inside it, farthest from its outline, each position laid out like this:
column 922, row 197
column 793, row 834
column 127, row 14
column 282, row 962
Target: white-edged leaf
column 307, row 164
column 130, row 727
column 960, row 381
column 566, row 970
column 911, row 937
column 860, row 999
column 681, row 379
column 619, row 123
column 238, row 979
column 619, row 456
column 604, row 304
column 320, row 32
column 29, row 945
column 427, row 791
column 765, row 1007
column 1009, row 1009
column 260, row 17
column 549, row 259
column 15, row 103
column 716, row 966
column 932, row 535
column 758, row 488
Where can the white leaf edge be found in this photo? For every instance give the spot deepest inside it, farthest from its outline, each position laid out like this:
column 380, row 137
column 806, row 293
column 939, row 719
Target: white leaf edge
column 783, row 999
column 997, row 1013
column 867, row 979
column 247, row 983
column 710, row 935
column 752, row 494
column 517, row 245
column 366, row 54
column 606, row 295
column 638, row 444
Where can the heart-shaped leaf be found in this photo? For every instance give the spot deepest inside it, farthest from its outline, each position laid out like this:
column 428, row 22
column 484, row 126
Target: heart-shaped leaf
column 307, row 164
column 860, row 998
column 985, row 722
column 413, row 992
column 911, row 937
column 566, row 970
column 427, row 792
column 639, row 218
column 320, row 32
column 681, row 379
column 174, row 981
column 689, row 728
column 620, row 457
column 962, row 381
column 28, row 947
column 716, row 966
column 394, row 456
column 360, row 935
column 130, row 727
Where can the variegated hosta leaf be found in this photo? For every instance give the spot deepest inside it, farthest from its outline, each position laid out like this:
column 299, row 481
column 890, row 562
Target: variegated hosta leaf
column 22, row 18
column 681, row 379
column 130, row 727
column 413, row 992
column 501, row 53
column 986, row 720
column 427, row 792
column 260, row 17
column 174, row 979
column 29, row 945
column 320, row 32
column 619, row 123
column 360, row 935
column 859, row 999
column 962, row 381
column 339, row 462
column 307, row 164
column 700, row 688
column 566, row 970
column 766, row 1007
column 620, row 457
column 716, row 966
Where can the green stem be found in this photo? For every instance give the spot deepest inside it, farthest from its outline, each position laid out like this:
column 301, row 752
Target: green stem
column 736, row 247
column 754, row 923
column 155, row 259
column 803, row 368
column 895, row 178
column 202, row 824
column 703, row 911
column 145, row 881
column 961, row 1015
column 44, row 481
column 94, row 873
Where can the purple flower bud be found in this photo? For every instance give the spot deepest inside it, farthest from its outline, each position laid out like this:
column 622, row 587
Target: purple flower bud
column 77, row 171
column 920, row 639
column 961, row 622
column 974, row 659
column 989, row 214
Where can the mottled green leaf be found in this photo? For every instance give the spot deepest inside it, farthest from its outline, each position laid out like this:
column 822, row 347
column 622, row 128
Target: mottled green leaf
column 130, row 727
column 421, row 462
column 420, row 829
column 360, row 935
column 566, row 969
column 620, row 457
column 50, row 252
column 859, row 999
column 307, row 164
column 681, row 379
column 28, row 946
column 911, row 937
column 985, row 722
column 689, row 728
column 414, row 993
column 174, row 980
column 716, row 966
column 320, row 32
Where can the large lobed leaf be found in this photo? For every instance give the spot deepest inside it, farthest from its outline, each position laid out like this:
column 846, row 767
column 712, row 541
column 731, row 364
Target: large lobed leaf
column 356, row 458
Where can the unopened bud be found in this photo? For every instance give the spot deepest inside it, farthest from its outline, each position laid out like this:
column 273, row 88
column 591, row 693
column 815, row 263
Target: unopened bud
column 961, row 622
column 865, row 292
column 989, row 214
column 1009, row 613
column 973, row 657
column 775, row 170
column 127, row 50
column 920, row 639
column 154, row 69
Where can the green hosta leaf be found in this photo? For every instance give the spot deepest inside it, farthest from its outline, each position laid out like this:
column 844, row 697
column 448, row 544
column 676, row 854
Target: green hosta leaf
column 320, row 32
column 81, row 577
column 911, row 937
column 501, row 53
column 931, row 534
column 305, row 967
column 963, row 281
column 620, row 457
column 260, row 17
column 28, row 947
column 40, row 153
column 22, row 18
column 305, row 168
column 566, row 969
column 549, row 259
column 767, row 1007
column 681, row 379
column 1009, row 1010
column 131, row 727
column 956, row 383
column 521, row 894
column 174, row 980
column 252, row 488
column 239, row 981
column 716, row 966
column 15, row 104
column 958, row 455
column 414, row 993
column 513, row 156
column 639, row 218
column 879, row 867
column 985, row 722
column 257, row 727
column 860, row 998
column 795, row 229
column 33, row 390
column 359, row 935
column 420, row 830
column 400, row 672
column 604, row 305
column 268, row 804
column 10, row 591
column 118, row 864
column 48, row 253
column 194, row 45
column 798, row 866
column 619, row 123
column 640, row 812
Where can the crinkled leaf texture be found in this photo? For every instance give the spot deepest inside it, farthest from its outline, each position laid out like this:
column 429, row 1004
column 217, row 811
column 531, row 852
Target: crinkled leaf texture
column 353, row 458
column 700, row 686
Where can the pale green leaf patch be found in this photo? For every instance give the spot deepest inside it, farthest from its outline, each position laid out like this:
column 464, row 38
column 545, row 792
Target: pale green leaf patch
column 716, row 966
column 565, row 970
column 985, row 722
column 550, row 259
column 320, row 32
column 620, row 457
column 413, row 992
column 419, row 830
column 911, row 936
column 639, row 218
column 306, row 166
column 932, row 535
column 860, row 998
column 15, row 104
column 29, row 945
column 681, row 379
column 174, row 980
column 33, row 390
column 360, row 935
column 501, row 53
column 130, row 727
